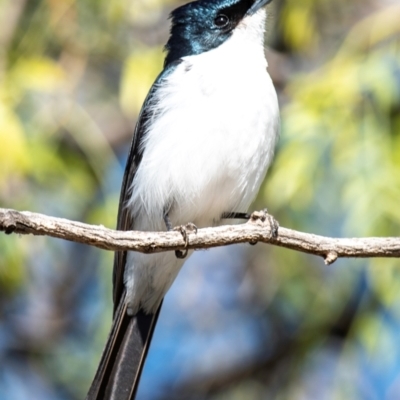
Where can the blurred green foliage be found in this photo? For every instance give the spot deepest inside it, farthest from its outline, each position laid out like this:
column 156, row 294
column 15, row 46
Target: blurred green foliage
column 73, row 75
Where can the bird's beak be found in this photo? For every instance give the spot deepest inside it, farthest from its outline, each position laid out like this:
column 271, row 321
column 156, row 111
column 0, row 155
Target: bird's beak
column 257, row 5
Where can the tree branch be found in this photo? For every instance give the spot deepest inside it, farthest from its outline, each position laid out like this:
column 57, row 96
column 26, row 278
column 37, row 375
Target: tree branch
column 257, row 229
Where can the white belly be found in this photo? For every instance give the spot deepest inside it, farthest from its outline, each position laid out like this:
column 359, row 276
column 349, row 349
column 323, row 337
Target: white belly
column 209, row 149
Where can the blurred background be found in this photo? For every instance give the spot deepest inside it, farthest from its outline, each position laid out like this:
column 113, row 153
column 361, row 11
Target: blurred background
column 240, row 322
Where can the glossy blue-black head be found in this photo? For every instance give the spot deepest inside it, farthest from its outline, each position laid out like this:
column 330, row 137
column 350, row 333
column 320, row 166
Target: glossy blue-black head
column 203, row 25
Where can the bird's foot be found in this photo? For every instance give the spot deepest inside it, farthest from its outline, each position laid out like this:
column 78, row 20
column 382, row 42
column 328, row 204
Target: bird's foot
column 184, row 230
column 263, row 216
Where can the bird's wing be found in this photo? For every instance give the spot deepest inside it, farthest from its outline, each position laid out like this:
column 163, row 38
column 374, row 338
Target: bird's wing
column 135, row 156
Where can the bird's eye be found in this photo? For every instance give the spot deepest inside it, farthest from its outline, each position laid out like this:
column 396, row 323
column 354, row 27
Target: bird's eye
column 221, row 21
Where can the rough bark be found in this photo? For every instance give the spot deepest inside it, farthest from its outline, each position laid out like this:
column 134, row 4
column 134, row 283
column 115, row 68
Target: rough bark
column 260, row 228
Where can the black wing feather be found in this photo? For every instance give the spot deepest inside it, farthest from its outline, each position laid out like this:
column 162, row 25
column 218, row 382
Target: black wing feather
column 135, row 156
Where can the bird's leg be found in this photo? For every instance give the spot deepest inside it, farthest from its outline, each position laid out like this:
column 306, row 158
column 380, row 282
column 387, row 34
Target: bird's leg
column 235, row 215
column 167, row 222
column 183, row 229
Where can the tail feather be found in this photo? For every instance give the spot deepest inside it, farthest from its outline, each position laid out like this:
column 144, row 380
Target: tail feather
column 118, row 375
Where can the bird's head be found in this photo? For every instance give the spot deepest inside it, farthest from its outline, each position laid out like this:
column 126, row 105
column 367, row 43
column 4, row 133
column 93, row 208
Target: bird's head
column 203, row 25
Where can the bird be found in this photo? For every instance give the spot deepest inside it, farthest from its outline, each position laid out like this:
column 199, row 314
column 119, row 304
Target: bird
column 202, row 144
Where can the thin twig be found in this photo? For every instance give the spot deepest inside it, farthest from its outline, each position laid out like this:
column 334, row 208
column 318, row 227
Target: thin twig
column 257, row 229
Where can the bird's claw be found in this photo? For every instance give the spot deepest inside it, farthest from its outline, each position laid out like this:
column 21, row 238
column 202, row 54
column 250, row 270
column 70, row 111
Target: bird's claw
column 264, row 216
column 184, row 229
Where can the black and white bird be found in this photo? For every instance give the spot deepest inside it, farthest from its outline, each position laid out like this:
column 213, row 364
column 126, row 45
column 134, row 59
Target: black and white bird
column 201, row 148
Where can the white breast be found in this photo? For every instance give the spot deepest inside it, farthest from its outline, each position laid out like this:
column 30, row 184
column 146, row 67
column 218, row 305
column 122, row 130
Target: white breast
column 208, row 150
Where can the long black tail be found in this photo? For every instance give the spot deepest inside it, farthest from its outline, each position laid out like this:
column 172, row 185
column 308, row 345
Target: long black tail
column 118, row 375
